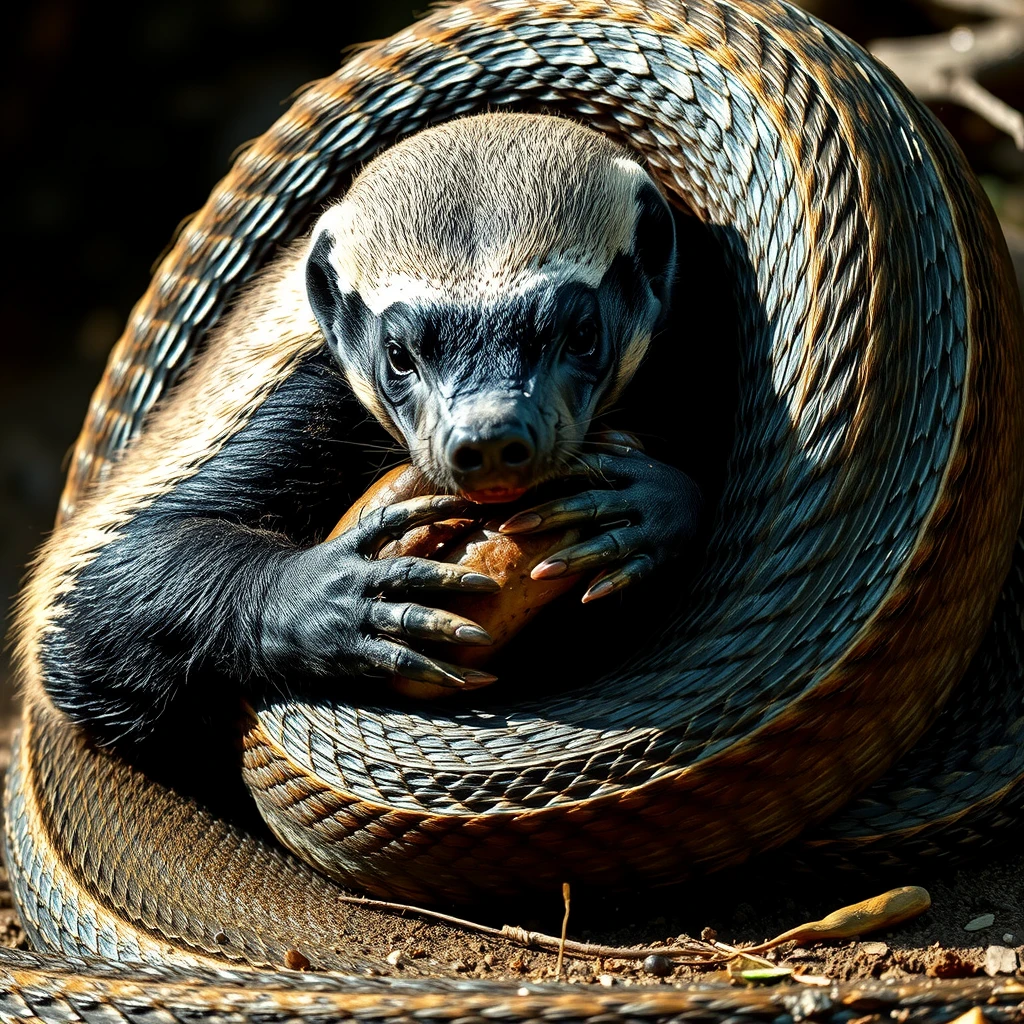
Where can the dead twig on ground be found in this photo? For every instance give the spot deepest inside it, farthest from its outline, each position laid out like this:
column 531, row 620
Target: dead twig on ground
column 693, row 952
column 565, row 928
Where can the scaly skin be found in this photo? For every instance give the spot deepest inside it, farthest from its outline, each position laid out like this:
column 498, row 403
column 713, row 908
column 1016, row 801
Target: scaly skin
column 856, row 557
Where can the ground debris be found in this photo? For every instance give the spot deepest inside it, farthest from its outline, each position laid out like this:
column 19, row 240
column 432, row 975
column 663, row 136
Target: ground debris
column 976, row 924
column 951, row 965
column 1000, row 960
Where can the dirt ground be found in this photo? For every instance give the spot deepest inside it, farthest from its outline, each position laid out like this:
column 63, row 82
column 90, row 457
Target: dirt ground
column 199, row 93
column 975, row 927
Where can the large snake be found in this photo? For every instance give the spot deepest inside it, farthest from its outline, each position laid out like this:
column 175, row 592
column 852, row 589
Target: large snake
column 866, row 527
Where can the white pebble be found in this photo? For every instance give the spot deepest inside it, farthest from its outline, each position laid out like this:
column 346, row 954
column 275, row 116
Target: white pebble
column 1007, row 936
column 1000, row 960
column 394, row 957
column 606, row 979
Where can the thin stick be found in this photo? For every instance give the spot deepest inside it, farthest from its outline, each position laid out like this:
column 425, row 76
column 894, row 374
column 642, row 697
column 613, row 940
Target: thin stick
column 946, row 66
column 693, row 953
column 565, row 926
column 968, row 93
column 997, row 8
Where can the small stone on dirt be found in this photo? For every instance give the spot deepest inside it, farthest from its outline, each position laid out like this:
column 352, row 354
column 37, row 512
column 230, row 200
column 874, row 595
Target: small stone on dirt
column 658, row 965
column 1007, row 936
column 1000, row 960
column 395, row 957
column 977, row 923
column 606, row 979
column 874, row 948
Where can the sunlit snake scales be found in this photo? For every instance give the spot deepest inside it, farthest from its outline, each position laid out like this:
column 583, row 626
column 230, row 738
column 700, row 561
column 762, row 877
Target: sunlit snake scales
column 867, row 525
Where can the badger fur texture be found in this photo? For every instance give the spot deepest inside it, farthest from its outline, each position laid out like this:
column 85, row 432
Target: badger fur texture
column 484, row 289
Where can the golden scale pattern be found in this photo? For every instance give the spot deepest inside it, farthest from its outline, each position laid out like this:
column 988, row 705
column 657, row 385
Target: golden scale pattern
column 882, row 397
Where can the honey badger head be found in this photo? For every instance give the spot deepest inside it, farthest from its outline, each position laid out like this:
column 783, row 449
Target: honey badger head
column 487, row 286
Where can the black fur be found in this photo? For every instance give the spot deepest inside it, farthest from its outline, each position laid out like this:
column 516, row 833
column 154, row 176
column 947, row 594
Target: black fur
column 221, row 586
column 172, row 606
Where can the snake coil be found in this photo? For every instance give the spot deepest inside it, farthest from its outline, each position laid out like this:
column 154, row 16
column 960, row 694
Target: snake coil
column 866, row 528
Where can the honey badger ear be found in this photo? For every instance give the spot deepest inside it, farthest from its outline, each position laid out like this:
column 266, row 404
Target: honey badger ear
column 341, row 314
column 654, row 242
column 321, row 281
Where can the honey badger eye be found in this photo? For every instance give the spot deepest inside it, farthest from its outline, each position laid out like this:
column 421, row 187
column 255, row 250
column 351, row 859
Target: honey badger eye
column 581, row 340
column 399, row 358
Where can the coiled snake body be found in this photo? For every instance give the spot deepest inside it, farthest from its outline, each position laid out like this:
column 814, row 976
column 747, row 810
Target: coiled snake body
column 866, row 527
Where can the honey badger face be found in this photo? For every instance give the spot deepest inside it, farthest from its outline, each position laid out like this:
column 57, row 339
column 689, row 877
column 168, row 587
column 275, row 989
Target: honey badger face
column 487, row 286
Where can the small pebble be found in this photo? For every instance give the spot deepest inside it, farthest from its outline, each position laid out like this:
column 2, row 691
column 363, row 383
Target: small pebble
column 658, row 965
column 977, row 923
column 489, row 959
column 394, row 957
column 874, row 948
column 1007, row 936
column 606, row 979
column 460, row 965
column 1000, row 960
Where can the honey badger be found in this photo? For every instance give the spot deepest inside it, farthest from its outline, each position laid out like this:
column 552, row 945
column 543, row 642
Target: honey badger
column 484, row 288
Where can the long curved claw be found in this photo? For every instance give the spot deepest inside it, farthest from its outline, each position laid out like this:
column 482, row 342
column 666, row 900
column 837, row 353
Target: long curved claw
column 409, row 621
column 403, row 661
column 396, row 575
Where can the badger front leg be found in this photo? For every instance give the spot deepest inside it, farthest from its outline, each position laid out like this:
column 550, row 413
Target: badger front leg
column 223, row 584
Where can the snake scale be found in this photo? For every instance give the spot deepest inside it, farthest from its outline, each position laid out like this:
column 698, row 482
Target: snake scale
column 857, row 555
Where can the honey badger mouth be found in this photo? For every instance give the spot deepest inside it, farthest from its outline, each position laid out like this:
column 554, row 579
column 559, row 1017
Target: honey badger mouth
column 487, row 286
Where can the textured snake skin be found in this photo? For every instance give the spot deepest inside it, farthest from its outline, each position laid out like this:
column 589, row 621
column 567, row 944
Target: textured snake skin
column 866, row 527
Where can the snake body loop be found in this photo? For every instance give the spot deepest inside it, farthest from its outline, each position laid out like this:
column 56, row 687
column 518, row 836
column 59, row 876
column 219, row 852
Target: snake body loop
column 866, row 527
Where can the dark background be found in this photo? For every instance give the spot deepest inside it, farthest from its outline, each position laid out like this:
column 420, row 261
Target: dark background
column 115, row 123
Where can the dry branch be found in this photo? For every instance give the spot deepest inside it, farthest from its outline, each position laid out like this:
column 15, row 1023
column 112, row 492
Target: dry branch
column 993, row 8
column 947, row 66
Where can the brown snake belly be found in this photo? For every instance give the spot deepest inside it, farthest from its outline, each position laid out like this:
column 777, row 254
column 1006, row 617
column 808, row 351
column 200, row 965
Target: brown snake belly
column 855, row 563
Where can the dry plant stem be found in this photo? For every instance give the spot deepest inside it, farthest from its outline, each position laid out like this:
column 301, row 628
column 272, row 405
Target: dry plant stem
column 565, row 927
column 694, row 953
column 885, row 910
column 735, row 951
column 946, row 67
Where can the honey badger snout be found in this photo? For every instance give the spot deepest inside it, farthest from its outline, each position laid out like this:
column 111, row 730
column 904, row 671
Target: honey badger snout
column 488, row 287
column 491, row 449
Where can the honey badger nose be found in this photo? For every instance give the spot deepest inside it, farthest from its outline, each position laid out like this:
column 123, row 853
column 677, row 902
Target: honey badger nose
column 500, row 457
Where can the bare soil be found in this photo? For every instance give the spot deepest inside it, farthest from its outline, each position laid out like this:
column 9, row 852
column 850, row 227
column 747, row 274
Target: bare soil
column 974, row 927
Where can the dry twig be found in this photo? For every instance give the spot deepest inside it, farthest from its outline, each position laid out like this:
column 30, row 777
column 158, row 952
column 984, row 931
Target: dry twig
column 993, row 8
column 694, row 952
column 947, row 66
column 565, row 928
